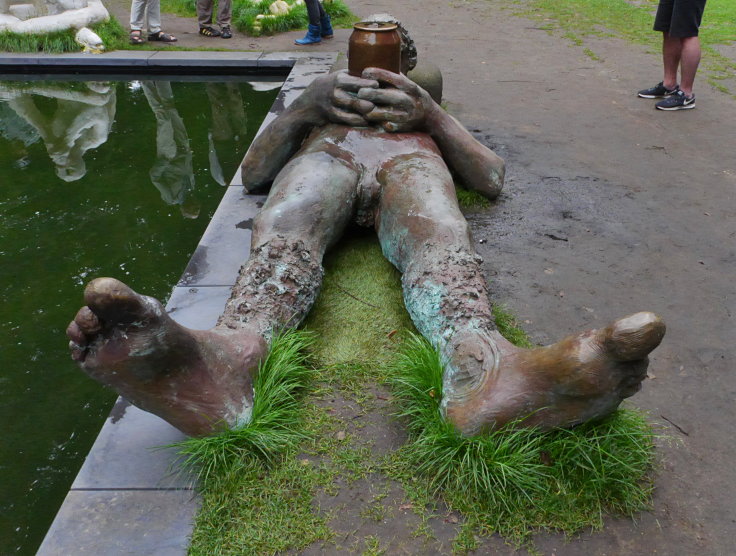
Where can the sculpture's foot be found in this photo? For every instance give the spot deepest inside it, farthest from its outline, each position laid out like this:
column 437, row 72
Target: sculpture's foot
column 199, row 381
column 577, row 379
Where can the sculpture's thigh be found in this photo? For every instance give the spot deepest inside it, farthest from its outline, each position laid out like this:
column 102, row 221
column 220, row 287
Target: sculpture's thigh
column 418, row 213
column 312, row 199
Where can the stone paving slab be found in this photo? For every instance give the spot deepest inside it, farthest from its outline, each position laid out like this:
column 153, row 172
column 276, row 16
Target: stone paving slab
column 198, row 307
column 226, row 242
column 129, row 454
column 134, row 522
column 207, row 59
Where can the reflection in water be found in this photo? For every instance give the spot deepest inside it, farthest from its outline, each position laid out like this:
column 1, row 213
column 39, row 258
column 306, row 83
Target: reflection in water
column 172, row 173
column 54, row 236
column 228, row 125
column 81, row 120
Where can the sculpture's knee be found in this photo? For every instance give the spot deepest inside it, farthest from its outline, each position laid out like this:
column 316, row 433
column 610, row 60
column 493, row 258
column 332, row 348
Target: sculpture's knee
column 440, row 233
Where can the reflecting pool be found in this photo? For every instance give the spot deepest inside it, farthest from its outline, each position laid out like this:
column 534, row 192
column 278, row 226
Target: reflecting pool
column 97, row 178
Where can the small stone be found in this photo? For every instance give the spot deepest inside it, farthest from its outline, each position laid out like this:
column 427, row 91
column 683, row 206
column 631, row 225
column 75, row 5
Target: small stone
column 340, row 436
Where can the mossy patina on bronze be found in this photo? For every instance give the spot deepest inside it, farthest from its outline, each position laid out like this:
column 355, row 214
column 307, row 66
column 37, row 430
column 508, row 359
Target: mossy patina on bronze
column 374, row 45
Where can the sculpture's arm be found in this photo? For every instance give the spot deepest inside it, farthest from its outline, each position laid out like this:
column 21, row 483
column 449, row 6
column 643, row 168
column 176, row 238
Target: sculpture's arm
column 405, row 106
column 329, row 98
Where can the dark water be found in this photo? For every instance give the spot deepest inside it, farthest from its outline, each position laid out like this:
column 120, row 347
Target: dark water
column 96, row 179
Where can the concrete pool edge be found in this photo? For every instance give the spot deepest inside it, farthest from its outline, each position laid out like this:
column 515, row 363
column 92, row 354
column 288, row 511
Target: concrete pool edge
column 127, row 497
column 125, row 61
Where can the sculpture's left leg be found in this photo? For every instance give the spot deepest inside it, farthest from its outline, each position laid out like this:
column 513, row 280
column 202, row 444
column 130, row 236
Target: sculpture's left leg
column 488, row 382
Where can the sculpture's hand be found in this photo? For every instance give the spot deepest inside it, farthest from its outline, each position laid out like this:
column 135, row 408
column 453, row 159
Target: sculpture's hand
column 334, row 98
column 400, row 104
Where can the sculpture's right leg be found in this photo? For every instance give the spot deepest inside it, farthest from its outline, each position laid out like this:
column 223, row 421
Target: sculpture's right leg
column 201, row 381
column 487, row 381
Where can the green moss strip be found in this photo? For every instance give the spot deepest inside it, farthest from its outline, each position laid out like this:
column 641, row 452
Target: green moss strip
column 517, row 481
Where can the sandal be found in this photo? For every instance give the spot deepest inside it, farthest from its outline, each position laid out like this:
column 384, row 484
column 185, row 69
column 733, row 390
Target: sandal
column 161, row 37
column 209, row 32
column 136, row 37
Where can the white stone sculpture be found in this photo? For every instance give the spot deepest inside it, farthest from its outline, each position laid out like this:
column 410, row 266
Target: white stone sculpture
column 89, row 40
column 48, row 16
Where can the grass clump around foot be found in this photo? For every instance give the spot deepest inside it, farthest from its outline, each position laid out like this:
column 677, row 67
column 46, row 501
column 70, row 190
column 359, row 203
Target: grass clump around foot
column 256, row 494
column 275, row 420
column 111, row 32
column 517, row 481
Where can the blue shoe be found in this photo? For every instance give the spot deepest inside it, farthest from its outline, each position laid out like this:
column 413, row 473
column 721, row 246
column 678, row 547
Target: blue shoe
column 677, row 101
column 312, row 36
column 658, row 91
column 326, row 27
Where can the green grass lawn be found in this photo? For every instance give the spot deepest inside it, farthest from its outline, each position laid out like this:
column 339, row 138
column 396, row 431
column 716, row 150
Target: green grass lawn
column 632, row 20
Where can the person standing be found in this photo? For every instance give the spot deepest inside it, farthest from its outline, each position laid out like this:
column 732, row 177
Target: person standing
column 320, row 26
column 224, row 15
column 679, row 22
column 147, row 13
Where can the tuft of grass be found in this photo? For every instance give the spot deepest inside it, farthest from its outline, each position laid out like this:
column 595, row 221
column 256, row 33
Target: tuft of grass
column 509, row 328
column 275, row 418
column 263, row 511
column 468, row 199
column 516, row 481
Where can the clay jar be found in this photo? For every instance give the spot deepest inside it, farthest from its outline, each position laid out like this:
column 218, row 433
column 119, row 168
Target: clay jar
column 374, row 45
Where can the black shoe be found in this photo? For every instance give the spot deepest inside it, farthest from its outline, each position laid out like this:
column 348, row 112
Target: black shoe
column 226, row 33
column 206, row 31
column 658, row 91
column 678, row 101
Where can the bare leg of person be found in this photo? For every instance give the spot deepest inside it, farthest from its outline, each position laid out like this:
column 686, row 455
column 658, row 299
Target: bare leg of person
column 488, row 382
column 201, row 381
column 689, row 61
column 671, row 53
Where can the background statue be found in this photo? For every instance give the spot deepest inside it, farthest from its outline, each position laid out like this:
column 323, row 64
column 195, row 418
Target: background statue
column 48, row 16
column 377, row 150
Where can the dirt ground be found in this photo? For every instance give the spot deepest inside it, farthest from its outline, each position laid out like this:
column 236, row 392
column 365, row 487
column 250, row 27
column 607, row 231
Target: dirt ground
column 610, row 207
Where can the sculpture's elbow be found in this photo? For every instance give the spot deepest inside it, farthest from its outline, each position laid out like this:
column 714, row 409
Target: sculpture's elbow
column 495, row 178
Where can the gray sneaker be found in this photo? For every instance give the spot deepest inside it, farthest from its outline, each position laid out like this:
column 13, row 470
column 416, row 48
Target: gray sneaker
column 658, row 91
column 678, row 101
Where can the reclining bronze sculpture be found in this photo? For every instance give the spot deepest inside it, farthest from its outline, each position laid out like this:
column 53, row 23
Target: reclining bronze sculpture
column 375, row 150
